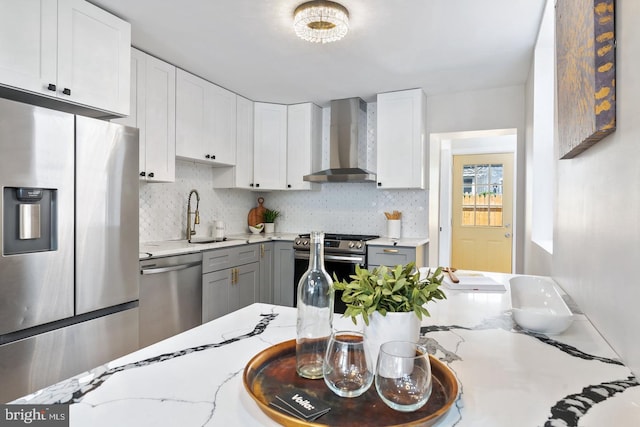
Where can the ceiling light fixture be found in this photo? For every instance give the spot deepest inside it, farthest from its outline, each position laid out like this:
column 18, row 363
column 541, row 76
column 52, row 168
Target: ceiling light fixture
column 321, row 21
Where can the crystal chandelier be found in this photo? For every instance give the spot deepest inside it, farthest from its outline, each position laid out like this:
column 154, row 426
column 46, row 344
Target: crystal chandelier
column 321, row 21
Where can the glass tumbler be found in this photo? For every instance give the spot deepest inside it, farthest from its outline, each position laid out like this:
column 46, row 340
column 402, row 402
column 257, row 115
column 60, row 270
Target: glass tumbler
column 347, row 369
column 403, row 375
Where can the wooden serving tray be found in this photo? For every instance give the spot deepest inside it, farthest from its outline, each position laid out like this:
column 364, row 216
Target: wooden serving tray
column 273, row 372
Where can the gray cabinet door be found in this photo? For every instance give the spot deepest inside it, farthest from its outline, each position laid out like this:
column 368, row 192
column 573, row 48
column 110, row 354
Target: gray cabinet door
column 390, row 256
column 244, row 289
column 283, row 265
column 266, row 273
column 215, row 294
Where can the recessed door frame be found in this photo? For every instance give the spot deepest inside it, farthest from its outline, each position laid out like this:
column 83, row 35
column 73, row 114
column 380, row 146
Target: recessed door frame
column 442, row 149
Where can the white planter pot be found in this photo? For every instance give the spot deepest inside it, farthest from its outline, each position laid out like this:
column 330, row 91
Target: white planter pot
column 392, row 327
column 269, row 227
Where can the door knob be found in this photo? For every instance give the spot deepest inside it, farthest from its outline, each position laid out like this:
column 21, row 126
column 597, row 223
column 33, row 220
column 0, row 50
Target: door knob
column 507, row 235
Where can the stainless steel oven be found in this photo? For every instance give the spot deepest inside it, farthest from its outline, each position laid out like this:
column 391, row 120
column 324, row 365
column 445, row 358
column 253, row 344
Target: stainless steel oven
column 342, row 252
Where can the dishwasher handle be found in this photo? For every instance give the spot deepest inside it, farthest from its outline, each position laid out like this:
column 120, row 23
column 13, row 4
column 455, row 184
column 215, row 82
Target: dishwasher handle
column 170, row 268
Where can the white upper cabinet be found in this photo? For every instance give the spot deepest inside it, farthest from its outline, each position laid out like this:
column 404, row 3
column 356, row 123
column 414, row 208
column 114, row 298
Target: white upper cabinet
column 241, row 175
column 159, row 115
column 69, row 50
column 401, row 139
column 205, row 121
column 270, row 146
column 304, row 144
column 153, row 95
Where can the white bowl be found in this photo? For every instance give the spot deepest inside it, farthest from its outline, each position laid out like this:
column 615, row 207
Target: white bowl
column 538, row 305
column 257, row 229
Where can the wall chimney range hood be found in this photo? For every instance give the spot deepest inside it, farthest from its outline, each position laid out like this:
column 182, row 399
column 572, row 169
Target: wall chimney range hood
column 347, row 144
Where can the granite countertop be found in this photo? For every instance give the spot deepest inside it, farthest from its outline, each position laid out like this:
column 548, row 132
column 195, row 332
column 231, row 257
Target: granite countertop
column 176, row 247
column 508, row 376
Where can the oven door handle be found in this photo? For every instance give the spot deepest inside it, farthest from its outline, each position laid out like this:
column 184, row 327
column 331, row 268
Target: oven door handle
column 336, row 258
column 345, row 259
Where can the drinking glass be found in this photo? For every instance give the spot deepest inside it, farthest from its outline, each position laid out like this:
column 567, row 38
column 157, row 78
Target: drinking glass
column 347, row 369
column 403, row 375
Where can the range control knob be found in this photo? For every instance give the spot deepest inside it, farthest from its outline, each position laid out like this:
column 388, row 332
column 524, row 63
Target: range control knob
column 305, row 243
column 359, row 245
column 297, row 242
column 351, row 245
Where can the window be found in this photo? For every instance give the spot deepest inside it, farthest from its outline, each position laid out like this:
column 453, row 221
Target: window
column 482, row 195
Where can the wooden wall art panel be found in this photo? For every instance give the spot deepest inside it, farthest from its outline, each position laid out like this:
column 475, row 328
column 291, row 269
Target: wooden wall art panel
column 586, row 78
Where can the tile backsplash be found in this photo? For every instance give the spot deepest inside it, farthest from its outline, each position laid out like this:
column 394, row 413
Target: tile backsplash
column 354, row 208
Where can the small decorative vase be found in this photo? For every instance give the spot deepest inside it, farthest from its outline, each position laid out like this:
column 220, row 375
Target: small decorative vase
column 392, row 327
column 269, row 227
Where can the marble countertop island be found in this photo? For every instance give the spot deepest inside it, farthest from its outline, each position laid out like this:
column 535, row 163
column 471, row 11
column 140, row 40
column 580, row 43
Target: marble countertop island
column 507, row 376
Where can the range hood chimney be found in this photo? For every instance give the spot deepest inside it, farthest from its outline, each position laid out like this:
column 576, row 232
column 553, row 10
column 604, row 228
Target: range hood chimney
column 347, row 144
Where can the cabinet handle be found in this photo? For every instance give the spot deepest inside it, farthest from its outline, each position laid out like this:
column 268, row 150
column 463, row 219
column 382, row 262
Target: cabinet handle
column 288, row 185
column 261, row 250
column 51, row 87
column 151, row 175
column 251, row 184
column 213, row 156
column 237, row 275
column 66, row 91
column 379, row 184
column 257, row 185
column 207, row 156
column 143, row 173
column 390, row 251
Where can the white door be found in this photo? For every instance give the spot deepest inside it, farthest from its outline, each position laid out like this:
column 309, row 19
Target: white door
column 270, row 146
column 244, row 144
column 93, row 56
column 159, row 120
column 28, row 40
column 220, row 113
column 190, row 119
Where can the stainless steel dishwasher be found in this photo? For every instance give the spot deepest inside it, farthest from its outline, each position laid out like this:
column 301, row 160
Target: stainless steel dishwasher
column 170, row 296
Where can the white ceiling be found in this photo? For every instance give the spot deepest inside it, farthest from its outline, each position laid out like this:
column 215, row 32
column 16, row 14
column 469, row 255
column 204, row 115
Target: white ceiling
column 249, row 46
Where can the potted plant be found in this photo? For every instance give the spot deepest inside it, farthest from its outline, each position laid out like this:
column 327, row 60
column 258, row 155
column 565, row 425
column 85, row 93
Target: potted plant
column 269, row 217
column 390, row 301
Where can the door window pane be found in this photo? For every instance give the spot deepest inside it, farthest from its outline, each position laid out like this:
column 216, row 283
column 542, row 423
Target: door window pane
column 482, row 195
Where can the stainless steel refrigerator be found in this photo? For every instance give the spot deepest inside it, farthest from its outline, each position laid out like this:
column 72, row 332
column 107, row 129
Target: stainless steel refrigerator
column 69, row 245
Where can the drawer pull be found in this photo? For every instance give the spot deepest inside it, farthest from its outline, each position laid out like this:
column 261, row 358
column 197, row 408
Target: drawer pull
column 390, row 251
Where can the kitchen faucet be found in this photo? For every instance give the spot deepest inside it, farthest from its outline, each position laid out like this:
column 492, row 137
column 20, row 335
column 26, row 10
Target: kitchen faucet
column 196, row 220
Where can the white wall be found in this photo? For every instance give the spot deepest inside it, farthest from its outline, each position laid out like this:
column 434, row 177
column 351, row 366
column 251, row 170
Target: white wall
column 597, row 232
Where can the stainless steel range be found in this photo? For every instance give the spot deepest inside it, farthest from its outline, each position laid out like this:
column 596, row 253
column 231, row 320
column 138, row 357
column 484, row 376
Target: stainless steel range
column 342, row 252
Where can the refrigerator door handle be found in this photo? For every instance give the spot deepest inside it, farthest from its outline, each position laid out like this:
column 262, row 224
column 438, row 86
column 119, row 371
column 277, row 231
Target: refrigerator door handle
column 172, row 268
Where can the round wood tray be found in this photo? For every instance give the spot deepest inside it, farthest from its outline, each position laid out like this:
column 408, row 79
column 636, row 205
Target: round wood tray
column 273, row 372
